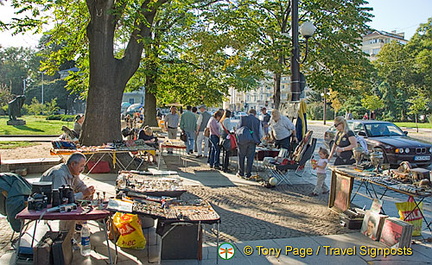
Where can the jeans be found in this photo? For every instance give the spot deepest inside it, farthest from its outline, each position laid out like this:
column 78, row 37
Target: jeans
column 190, row 143
column 214, row 151
column 246, row 151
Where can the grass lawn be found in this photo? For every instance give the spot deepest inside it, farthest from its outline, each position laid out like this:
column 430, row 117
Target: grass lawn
column 426, row 125
column 35, row 125
column 13, row 145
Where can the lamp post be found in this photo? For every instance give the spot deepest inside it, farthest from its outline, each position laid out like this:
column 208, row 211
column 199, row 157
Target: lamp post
column 324, row 95
column 307, row 30
column 42, row 99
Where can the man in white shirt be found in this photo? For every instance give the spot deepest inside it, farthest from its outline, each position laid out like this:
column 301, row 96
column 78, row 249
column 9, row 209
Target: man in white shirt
column 281, row 129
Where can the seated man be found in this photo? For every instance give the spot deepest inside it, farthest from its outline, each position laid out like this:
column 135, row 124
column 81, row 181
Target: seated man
column 68, row 174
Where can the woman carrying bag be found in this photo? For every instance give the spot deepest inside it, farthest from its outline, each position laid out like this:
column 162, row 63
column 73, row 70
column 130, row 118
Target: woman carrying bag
column 228, row 140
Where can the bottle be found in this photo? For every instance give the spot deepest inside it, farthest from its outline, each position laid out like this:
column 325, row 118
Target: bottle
column 85, row 240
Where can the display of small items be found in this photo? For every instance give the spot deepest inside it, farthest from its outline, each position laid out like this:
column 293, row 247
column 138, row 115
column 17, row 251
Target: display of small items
column 196, row 210
column 406, row 178
column 37, row 202
column 139, row 183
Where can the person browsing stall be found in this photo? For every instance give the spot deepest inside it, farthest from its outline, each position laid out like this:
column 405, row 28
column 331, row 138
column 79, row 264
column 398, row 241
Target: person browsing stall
column 227, row 127
column 171, row 124
column 202, row 121
column 68, row 174
column 345, row 141
column 282, row 129
column 188, row 124
column 215, row 133
column 251, row 124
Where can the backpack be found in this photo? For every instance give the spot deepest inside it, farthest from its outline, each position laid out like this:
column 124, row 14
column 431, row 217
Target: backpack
column 244, row 135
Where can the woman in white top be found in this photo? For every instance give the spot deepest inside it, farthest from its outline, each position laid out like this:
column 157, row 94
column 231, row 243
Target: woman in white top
column 227, row 128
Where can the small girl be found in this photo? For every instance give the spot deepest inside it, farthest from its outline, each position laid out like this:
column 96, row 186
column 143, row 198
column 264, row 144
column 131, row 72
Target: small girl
column 320, row 167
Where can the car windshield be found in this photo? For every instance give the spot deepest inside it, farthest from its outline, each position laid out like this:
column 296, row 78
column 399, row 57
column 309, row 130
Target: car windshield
column 383, row 129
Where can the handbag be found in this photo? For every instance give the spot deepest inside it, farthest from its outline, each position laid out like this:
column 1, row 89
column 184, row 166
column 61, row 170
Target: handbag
column 230, row 141
column 183, row 136
column 207, row 132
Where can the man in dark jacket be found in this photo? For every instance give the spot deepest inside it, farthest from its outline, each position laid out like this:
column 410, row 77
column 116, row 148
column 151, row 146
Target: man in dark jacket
column 247, row 149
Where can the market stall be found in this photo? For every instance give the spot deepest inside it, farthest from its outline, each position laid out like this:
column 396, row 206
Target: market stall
column 179, row 221
column 137, row 148
column 377, row 184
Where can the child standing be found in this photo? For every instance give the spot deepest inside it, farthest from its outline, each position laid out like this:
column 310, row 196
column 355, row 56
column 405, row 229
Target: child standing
column 320, row 167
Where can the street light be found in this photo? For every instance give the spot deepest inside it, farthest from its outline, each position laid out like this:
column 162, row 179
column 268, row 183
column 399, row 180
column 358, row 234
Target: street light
column 42, row 88
column 307, row 30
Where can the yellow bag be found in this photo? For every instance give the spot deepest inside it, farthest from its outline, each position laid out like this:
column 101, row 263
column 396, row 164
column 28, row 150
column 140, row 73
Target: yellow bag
column 129, row 227
column 411, row 214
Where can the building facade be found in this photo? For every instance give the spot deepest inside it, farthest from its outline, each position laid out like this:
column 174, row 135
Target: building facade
column 372, row 43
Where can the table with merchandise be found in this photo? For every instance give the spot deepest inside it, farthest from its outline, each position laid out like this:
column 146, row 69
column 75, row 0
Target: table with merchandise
column 158, row 197
column 342, row 194
column 137, row 147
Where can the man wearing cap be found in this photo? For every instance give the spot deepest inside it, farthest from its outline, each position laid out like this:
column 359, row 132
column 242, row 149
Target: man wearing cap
column 202, row 121
column 171, row 123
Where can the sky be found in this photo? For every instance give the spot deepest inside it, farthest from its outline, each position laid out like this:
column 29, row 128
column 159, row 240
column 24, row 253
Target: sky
column 400, row 15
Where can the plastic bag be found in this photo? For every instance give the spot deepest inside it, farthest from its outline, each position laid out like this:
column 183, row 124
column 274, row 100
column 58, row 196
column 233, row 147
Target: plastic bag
column 129, row 227
column 409, row 213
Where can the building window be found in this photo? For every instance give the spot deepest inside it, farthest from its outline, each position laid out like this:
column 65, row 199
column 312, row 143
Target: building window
column 375, row 51
column 131, row 100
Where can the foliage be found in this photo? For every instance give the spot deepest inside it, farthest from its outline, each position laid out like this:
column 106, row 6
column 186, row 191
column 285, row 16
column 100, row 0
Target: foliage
column 51, row 107
column 5, row 95
column 372, row 102
column 35, row 107
column 60, row 117
column 16, row 67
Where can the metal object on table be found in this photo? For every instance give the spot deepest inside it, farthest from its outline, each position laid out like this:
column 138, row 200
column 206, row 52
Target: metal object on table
column 376, row 158
column 358, row 155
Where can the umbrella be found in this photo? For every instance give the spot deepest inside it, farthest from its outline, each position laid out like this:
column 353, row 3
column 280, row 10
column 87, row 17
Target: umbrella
column 301, row 123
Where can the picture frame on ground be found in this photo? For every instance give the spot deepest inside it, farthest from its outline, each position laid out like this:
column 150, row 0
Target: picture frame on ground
column 372, row 224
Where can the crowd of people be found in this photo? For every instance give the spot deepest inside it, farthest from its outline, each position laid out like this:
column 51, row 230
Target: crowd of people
column 212, row 136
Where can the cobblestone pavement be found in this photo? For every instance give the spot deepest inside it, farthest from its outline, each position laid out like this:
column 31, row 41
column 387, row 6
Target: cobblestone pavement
column 258, row 213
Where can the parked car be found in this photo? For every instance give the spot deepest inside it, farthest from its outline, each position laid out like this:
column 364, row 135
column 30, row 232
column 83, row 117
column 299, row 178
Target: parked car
column 393, row 142
column 134, row 108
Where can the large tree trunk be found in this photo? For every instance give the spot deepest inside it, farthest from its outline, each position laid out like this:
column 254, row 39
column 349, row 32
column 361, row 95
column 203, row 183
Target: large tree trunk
column 108, row 75
column 150, row 109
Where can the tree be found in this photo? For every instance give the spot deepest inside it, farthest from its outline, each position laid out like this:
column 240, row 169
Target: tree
column 260, row 30
column 108, row 52
column 372, row 102
column 418, row 104
column 16, row 65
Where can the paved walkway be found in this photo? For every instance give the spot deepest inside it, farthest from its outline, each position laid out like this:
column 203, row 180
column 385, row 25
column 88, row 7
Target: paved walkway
column 256, row 219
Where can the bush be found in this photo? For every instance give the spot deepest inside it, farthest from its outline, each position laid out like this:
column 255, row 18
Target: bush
column 61, row 117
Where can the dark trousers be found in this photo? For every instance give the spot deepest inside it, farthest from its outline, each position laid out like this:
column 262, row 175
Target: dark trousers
column 246, row 151
column 283, row 143
column 214, row 151
column 225, row 159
